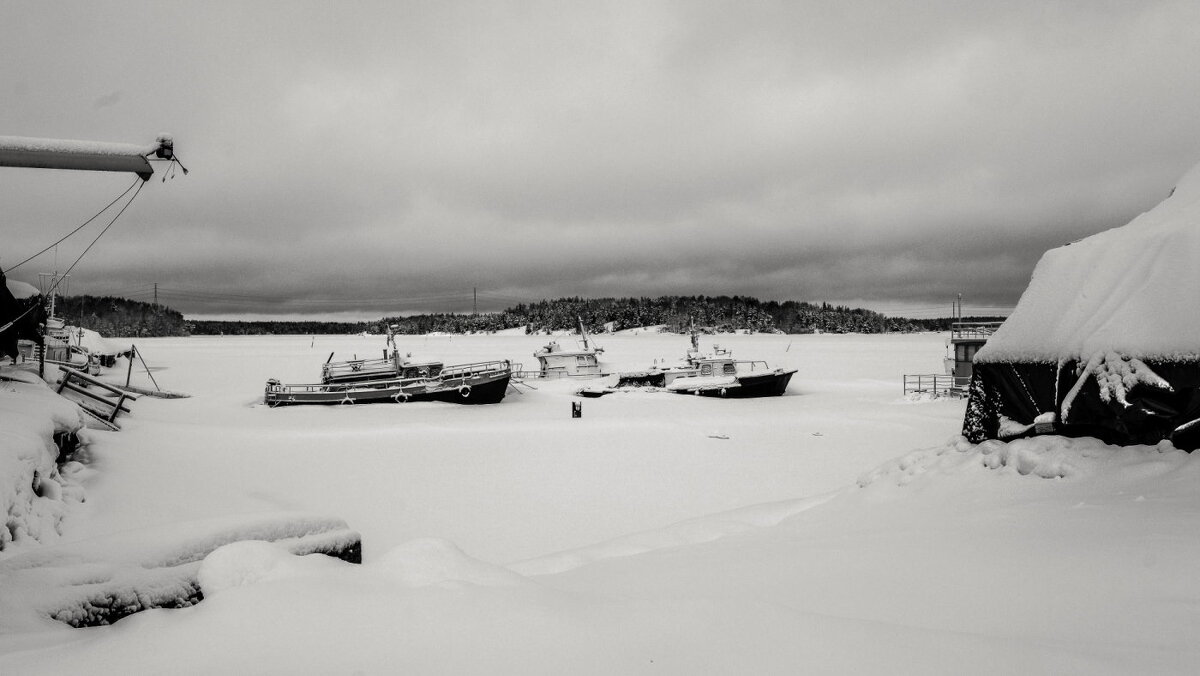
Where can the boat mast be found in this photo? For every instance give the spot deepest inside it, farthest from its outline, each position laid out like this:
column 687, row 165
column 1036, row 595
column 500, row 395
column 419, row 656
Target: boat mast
column 582, row 331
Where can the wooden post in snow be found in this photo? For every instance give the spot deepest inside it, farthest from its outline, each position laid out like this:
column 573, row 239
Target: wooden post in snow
column 129, row 372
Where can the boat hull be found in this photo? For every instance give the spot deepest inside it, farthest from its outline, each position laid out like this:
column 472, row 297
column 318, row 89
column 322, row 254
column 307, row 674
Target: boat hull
column 487, row 388
column 765, row 385
column 744, row 387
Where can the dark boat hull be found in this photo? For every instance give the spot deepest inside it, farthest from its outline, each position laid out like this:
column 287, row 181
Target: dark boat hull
column 765, row 385
column 484, row 391
column 480, row 389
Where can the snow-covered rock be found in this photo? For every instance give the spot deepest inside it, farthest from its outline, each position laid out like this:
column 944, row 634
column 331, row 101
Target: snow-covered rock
column 35, row 494
column 100, row 580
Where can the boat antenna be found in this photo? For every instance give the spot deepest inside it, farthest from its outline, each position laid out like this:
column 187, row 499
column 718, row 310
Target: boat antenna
column 583, row 333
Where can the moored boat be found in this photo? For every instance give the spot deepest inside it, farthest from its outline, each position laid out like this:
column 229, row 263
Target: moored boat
column 477, row 383
column 556, row 362
column 713, row 375
column 396, row 379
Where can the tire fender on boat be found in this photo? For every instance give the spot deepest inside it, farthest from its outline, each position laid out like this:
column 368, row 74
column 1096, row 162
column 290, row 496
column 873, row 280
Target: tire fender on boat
column 724, row 392
column 465, row 391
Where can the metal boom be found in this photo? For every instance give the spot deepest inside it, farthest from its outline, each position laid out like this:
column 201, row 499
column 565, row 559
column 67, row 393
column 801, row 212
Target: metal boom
column 45, row 153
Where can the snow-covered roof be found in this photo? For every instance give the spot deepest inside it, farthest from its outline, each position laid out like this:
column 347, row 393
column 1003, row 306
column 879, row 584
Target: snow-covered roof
column 21, row 290
column 1131, row 290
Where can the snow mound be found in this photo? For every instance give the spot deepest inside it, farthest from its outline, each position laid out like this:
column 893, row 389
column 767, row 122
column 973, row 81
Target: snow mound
column 1046, row 457
column 1121, row 290
column 249, row 562
column 21, row 290
column 431, row 561
column 924, row 397
column 958, row 467
column 95, row 343
column 35, row 494
column 101, row 580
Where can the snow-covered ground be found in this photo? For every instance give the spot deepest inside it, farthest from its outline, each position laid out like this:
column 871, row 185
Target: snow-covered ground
column 838, row 529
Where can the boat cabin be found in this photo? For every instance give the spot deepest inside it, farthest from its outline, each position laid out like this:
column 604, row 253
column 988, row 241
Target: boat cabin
column 966, row 338
column 431, row 369
column 555, row 362
column 386, row 368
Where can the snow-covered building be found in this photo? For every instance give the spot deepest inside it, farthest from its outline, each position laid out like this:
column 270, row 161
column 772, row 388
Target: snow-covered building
column 1105, row 341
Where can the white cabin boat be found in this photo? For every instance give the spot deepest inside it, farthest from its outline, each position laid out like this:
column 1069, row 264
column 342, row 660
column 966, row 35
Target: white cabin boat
column 554, row 361
column 712, row 375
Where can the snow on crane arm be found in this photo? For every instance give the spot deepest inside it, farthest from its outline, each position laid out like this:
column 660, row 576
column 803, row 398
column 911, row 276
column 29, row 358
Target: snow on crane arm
column 44, row 153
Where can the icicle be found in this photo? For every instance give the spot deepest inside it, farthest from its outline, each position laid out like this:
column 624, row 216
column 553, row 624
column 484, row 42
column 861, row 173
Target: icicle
column 1116, row 375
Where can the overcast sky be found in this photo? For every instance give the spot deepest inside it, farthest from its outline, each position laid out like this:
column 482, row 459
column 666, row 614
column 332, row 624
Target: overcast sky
column 378, row 158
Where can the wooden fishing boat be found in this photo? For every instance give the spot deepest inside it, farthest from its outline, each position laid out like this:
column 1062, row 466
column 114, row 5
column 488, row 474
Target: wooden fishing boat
column 396, row 379
column 477, row 383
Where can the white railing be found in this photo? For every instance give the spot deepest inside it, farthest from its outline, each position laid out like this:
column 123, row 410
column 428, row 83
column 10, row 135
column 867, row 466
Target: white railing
column 478, row 368
column 973, row 330
column 933, row 383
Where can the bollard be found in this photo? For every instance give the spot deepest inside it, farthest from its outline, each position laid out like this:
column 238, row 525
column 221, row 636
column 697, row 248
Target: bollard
column 577, row 409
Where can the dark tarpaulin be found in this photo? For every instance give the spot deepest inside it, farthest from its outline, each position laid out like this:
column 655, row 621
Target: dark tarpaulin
column 1022, row 391
column 11, row 310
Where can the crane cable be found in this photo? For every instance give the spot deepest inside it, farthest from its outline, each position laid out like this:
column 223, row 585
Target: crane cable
column 140, row 184
column 84, row 224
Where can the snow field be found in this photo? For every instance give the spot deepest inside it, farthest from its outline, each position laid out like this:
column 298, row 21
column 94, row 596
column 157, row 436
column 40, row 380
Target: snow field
column 514, row 539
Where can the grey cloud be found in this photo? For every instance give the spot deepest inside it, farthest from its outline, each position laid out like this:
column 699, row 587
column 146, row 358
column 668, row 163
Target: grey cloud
column 387, row 156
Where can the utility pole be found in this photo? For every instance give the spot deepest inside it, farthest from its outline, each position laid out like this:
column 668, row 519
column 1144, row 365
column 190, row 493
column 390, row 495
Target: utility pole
column 156, row 296
column 474, row 300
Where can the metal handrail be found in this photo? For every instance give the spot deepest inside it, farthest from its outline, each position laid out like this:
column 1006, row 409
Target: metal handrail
column 935, row 383
column 452, row 373
column 465, row 370
column 382, row 383
column 973, row 330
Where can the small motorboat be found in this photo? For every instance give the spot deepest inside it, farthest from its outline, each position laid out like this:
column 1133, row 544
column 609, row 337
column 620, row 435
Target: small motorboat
column 556, row 362
column 712, row 375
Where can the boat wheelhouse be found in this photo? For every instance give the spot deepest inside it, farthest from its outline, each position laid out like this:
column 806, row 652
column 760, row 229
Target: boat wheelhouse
column 966, row 338
column 556, row 362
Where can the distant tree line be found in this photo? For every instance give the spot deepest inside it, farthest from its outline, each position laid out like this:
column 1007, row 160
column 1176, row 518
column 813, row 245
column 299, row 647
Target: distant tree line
column 257, row 328
column 120, row 317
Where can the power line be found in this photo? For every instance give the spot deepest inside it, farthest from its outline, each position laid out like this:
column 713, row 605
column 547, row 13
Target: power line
column 85, row 251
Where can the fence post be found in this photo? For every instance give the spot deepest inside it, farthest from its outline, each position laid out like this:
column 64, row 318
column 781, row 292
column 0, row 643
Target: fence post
column 129, row 373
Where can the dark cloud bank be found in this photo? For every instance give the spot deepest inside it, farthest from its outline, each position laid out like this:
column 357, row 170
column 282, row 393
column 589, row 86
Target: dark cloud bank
column 390, row 157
